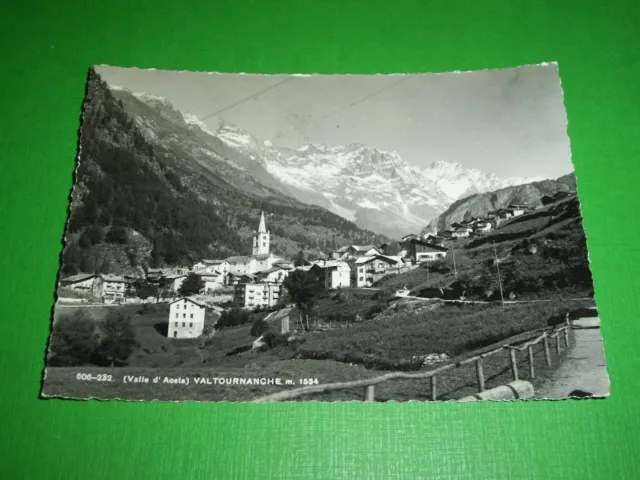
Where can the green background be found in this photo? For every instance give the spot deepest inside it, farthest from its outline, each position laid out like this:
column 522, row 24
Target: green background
column 47, row 48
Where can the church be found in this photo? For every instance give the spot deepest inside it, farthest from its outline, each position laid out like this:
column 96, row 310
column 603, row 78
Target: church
column 261, row 258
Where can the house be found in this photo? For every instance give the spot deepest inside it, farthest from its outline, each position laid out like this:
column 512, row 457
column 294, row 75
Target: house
column 370, row 269
column 241, row 265
column 447, row 234
column 336, row 273
column 254, row 295
column 411, row 236
column 461, row 232
column 432, row 238
column 210, row 266
column 111, row 288
column 186, row 318
column 273, row 275
column 82, row 282
column 238, row 279
column 426, row 252
column 483, row 227
column 212, row 280
column 339, row 253
column 504, row 213
column 172, row 283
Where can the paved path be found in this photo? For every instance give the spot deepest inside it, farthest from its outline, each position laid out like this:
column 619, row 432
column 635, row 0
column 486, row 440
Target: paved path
column 584, row 367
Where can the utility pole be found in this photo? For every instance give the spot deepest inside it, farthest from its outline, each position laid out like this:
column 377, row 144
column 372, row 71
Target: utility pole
column 455, row 270
column 495, row 254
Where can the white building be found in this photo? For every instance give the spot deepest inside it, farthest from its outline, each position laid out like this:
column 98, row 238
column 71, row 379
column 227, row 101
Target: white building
column 112, row 288
column 212, row 281
column 82, row 282
column 336, row 273
column 186, row 318
column 172, row 282
column 254, row 295
column 273, row 275
column 242, row 265
column 370, row 269
column 211, row 266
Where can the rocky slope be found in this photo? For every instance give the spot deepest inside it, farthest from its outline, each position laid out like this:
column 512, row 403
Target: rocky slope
column 478, row 205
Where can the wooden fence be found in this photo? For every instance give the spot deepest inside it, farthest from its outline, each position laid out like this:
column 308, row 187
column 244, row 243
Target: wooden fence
column 370, row 383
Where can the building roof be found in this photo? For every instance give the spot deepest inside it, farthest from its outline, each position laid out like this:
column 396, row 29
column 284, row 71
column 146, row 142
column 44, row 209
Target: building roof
column 174, row 276
column 80, row 277
column 239, row 259
column 107, row 277
column 213, row 262
column 330, row 263
column 430, row 245
column 215, row 273
column 271, row 270
column 363, row 248
column 342, row 249
column 262, row 228
column 262, row 257
column 200, row 304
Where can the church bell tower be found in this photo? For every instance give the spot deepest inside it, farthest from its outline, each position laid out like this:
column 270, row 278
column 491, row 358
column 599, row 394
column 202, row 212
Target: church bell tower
column 261, row 238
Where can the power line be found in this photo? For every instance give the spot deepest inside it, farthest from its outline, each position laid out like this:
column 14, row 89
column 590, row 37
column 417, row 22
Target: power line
column 245, row 99
column 367, row 97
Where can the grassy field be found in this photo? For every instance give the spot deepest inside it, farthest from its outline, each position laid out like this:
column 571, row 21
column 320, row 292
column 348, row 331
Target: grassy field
column 346, row 352
column 456, row 383
column 391, row 340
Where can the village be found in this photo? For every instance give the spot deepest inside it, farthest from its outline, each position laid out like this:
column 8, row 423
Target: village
column 255, row 281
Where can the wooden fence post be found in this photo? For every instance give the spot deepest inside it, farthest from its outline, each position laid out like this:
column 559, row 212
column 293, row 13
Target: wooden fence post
column 434, row 394
column 566, row 333
column 545, row 341
column 558, row 343
column 532, row 373
column 480, row 375
column 514, row 364
column 369, row 393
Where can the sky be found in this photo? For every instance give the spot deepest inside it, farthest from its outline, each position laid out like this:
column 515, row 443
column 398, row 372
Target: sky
column 511, row 122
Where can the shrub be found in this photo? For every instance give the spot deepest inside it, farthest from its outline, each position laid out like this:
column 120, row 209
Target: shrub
column 73, row 340
column 259, row 327
column 117, row 339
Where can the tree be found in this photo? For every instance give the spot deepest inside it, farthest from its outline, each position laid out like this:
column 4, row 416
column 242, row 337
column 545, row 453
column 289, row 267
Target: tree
column 92, row 234
column 73, row 340
column 303, row 287
column 192, row 285
column 117, row 338
column 233, row 316
column 116, row 234
column 298, row 259
column 145, row 290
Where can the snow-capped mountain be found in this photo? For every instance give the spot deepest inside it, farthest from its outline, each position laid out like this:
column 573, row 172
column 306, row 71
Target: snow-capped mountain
column 376, row 189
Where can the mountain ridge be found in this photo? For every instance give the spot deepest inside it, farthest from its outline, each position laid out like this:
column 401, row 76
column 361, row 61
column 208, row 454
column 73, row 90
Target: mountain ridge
column 372, row 187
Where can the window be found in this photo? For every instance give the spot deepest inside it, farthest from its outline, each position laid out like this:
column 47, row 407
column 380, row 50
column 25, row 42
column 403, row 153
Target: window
column 190, row 324
column 175, row 334
column 184, row 315
column 191, row 316
column 175, row 324
column 178, row 306
column 177, row 315
column 183, row 324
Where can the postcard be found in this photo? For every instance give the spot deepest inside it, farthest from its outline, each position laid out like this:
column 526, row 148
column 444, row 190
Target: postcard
column 264, row 238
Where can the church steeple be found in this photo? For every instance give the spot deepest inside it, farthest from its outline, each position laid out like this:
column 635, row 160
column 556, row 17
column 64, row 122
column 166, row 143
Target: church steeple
column 262, row 228
column 261, row 238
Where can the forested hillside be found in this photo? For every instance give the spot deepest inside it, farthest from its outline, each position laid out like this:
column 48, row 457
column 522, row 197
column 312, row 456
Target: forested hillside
column 138, row 203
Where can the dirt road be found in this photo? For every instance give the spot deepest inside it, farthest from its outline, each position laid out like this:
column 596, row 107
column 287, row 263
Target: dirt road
column 584, row 368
